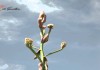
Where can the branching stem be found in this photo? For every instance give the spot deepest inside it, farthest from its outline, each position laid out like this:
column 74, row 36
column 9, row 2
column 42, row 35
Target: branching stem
column 35, row 53
column 54, row 52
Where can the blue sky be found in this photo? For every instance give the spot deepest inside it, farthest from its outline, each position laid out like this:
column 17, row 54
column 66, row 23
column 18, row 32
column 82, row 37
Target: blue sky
column 76, row 21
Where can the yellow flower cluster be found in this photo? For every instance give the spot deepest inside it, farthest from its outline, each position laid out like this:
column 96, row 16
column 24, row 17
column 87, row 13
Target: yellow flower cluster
column 63, row 45
column 50, row 26
column 28, row 41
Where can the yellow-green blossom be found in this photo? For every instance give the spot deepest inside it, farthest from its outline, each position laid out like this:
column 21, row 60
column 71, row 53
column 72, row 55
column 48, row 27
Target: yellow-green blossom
column 28, row 41
column 63, row 45
column 50, row 26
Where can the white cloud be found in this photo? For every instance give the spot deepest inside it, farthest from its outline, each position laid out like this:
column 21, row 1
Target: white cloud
column 3, row 67
column 8, row 66
column 37, row 6
column 95, row 4
column 12, row 21
column 16, row 67
column 94, row 15
column 7, row 27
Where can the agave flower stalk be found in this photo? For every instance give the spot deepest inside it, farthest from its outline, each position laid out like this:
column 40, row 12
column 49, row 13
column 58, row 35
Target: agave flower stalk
column 41, row 26
column 39, row 54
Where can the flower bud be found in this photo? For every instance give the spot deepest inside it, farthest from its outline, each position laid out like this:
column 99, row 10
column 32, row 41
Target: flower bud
column 63, row 45
column 44, row 19
column 43, row 27
column 40, row 23
column 42, row 16
column 45, row 38
column 50, row 26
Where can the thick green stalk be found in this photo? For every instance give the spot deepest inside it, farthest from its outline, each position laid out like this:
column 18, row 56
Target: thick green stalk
column 41, row 52
column 42, row 56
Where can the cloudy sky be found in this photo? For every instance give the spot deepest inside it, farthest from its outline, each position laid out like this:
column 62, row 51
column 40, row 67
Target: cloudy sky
column 76, row 21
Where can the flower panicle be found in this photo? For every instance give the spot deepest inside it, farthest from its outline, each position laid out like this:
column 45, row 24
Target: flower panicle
column 39, row 54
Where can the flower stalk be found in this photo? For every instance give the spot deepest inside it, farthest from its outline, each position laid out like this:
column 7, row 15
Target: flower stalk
column 40, row 55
